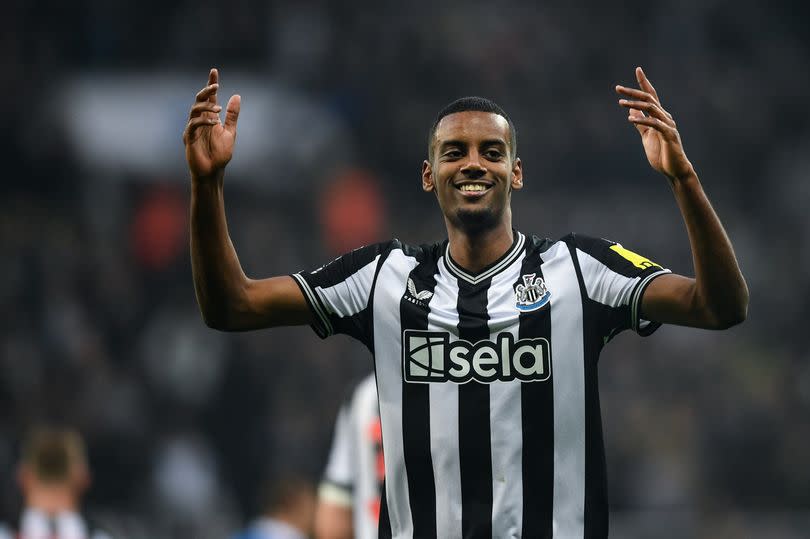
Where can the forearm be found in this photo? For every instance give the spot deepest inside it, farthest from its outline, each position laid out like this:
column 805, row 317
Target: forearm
column 719, row 285
column 219, row 281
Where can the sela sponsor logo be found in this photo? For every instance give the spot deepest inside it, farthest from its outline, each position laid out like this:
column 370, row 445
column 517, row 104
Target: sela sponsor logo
column 532, row 293
column 416, row 297
column 430, row 357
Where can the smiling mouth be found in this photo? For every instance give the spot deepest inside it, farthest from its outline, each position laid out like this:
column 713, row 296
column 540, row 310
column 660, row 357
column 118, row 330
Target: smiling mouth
column 473, row 188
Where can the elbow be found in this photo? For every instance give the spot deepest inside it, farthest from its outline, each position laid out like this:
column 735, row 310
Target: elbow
column 220, row 318
column 215, row 320
column 222, row 312
column 730, row 317
column 731, row 320
column 740, row 314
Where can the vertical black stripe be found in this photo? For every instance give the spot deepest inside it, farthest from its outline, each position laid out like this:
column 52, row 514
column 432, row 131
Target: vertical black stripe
column 369, row 320
column 596, row 501
column 416, row 411
column 537, row 418
column 384, row 526
column 475, row 448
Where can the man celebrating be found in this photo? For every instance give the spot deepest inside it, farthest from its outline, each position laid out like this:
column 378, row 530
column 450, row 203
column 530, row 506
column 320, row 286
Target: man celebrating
column 485, row 345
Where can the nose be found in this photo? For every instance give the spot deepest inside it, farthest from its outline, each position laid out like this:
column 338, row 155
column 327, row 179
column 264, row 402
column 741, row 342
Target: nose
column 473, row 168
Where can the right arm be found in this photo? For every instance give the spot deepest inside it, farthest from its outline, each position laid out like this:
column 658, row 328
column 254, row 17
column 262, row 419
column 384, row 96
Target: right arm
column 333, row 521
column 228, row 299
column 334, row 518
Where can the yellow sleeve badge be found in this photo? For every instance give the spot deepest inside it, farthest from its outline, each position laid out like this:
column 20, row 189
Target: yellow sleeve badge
column 636, row 259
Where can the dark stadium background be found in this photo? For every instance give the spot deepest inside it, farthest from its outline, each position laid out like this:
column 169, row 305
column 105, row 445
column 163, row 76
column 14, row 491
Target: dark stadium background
column 707, row 434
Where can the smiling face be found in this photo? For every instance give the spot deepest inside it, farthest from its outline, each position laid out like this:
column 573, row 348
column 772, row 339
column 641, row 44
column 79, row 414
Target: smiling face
column 471, row 170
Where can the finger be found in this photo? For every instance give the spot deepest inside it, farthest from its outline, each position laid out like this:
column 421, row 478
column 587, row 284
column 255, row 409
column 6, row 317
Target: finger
column 213, row 79
column 669, row 132
column 193, row 126
column 640, row 95
column 645, row 83
column 206, row 92
column 635, row 93
column 638, row 114
column 204, row 106
column 232, row 113
column 651, row 109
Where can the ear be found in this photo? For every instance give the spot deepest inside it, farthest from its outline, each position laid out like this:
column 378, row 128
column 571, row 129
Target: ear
column 24, row 478
column 427, row 177
column 82, row 480
column 517, row 174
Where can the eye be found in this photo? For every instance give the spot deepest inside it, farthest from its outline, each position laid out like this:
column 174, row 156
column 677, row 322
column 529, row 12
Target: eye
column 452, row 154
column 493, row 154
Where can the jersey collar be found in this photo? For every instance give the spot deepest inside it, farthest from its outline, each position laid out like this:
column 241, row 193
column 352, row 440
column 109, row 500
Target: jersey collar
column 496, row 267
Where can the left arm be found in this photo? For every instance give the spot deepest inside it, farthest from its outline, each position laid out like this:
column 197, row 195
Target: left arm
column 717, row 298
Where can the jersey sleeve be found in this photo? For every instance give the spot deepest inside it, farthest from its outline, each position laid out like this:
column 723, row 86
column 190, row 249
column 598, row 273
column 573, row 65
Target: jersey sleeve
column 339, row 292
column 337, row 484
column 615, row 278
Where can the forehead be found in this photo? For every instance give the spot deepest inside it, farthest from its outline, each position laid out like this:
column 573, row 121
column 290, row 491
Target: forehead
column 472, row 125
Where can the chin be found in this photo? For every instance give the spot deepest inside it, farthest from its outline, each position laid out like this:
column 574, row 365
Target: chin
column 476, row 219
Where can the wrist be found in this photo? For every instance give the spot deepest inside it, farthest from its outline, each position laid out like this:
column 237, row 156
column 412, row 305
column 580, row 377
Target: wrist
column 688, row 177
column 215, row 178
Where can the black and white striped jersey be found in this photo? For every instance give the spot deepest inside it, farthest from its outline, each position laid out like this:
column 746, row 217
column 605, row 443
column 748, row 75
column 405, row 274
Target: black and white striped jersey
column 36, row 524
column 355, row 471
column 487, row 382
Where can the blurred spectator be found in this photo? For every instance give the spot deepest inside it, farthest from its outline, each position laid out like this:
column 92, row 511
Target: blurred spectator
column 287, row 511
column 53, row 476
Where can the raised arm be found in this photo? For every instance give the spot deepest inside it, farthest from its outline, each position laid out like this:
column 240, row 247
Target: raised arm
column 228, row 299
column 717, row 297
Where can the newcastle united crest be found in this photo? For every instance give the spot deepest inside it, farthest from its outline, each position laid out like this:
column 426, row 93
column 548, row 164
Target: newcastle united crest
column 532, row 293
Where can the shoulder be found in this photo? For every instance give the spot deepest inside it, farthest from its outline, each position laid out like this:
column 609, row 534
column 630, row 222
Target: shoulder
column 593, row 246
column 609, row 253
column 421, row 252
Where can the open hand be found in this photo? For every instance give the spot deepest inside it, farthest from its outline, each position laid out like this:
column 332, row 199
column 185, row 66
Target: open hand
column 209, row 143
column 658, row 131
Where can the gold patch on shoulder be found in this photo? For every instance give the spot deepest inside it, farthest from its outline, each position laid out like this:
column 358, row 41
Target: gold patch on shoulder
column 636, row 259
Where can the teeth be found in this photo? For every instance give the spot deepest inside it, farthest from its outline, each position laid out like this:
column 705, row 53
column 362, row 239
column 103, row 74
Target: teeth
column 473, row 187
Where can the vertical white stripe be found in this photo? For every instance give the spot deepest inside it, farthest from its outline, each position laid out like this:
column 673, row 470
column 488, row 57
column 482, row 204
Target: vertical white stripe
column 350, row 296
column 365, row 410
column 567, row 357
column 444, row 449
column 505, row 415
column 603, row 284
column 391, row 283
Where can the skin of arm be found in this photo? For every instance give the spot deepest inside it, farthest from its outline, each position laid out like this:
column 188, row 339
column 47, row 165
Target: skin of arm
column 333, row 521
column 717, row 298
column 228, row 299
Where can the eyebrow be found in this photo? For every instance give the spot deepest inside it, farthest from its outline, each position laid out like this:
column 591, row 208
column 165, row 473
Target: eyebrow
column 490, row 142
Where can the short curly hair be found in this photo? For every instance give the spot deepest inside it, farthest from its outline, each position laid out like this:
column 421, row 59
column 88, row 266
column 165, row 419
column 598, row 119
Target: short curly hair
column 477, row 104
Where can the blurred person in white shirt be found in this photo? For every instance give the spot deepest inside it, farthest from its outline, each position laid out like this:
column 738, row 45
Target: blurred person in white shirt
column 53, row 476
column 287, row 511
column 349, row 493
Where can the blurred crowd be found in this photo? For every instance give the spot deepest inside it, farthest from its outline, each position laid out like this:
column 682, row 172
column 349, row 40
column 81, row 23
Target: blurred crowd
column 100, row 330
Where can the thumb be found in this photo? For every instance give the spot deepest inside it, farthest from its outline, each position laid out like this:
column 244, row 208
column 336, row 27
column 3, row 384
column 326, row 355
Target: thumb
column 232, row 113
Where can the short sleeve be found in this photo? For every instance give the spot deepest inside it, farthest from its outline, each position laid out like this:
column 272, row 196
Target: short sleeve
column 337, row 484
column 339, row 292
column 615, row 278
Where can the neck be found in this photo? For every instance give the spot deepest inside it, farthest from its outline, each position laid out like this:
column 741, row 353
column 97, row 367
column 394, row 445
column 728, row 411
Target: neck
column 52, row 501
column 474, row 251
